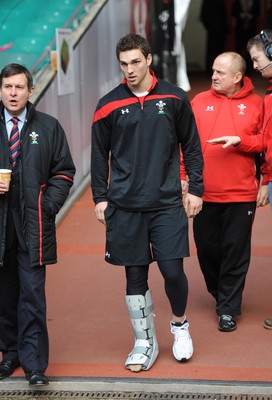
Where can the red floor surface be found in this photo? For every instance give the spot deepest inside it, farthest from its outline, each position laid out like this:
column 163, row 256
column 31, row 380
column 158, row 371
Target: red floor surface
column 90, row 333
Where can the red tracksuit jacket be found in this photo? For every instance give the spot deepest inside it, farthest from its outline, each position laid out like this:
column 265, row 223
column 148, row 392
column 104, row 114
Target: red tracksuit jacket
column 229, row 174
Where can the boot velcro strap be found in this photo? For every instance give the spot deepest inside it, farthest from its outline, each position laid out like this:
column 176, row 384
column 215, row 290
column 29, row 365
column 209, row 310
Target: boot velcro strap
column 145, row 334
column 139, row 350
column 142, row 313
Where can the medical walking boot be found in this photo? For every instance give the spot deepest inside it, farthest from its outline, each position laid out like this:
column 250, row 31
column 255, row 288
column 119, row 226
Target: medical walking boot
column 146, row 349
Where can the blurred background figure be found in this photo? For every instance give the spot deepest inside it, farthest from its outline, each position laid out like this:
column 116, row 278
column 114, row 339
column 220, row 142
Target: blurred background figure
column 181, row 8
column 245, row 14
column 213, row 15
column 168, row 20
column 162, row 39
column 268, row 21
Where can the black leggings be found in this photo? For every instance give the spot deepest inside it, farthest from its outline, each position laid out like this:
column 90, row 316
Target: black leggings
column 175, row 283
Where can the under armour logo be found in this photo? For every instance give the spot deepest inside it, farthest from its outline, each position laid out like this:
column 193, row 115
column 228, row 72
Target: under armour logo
column 125, row 111
column 249, row 212
column 107, row 254
column 210, row 108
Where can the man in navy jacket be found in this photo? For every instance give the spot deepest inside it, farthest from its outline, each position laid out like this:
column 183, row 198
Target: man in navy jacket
column 42, row 175
column 139, row 126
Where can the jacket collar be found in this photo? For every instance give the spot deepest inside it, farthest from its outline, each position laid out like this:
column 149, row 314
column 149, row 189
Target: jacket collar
column 153, row 84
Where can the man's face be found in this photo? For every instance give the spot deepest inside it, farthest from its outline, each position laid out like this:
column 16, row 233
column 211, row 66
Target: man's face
column 261, row 62
column 15, row 93
column 135, row 68
column 224, row 78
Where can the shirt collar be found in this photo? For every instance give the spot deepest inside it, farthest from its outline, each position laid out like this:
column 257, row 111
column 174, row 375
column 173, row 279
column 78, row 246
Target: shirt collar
column 20, row 117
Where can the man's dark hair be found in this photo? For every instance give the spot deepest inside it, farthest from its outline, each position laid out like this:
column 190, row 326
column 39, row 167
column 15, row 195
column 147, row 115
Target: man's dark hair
column 258, row 42
column 133, row 41
column 15, row 69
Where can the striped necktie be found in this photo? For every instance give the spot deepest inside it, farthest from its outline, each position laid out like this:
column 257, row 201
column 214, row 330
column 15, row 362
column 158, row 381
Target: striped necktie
column 14, row 142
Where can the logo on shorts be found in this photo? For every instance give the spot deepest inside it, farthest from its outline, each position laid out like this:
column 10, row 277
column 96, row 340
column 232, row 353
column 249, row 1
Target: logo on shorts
column 107, row 254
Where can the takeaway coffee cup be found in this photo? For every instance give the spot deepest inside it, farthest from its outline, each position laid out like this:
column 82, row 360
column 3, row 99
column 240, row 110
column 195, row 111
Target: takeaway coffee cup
column 5, row 175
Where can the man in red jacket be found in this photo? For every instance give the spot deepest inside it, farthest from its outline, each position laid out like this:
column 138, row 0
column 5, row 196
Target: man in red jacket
column 222, row 230
column 260, row 49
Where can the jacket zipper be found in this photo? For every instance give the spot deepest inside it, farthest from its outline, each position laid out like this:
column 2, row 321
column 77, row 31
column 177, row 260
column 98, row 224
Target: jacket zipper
column 40, row 225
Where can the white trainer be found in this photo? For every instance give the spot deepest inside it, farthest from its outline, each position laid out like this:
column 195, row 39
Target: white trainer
column 183, row 344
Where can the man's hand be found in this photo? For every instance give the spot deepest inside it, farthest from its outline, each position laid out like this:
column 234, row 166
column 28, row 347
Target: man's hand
column 3, row 187
column 262, row 197
column 227, row 141
column 100, row 211
column 184, row 187
column 192, row 205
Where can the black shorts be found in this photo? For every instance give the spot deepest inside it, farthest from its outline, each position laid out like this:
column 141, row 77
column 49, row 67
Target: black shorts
column 138, row 238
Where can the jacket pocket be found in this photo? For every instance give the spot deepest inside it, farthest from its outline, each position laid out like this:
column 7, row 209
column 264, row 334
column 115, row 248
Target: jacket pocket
column 47, row 231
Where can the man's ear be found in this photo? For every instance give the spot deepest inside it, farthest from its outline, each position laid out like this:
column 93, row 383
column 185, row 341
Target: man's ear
column 238, row 77
column 30, row 92
column 149, row 60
